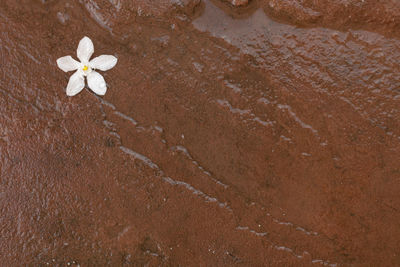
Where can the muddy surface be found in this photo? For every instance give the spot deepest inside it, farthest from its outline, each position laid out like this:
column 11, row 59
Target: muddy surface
column 265, row 134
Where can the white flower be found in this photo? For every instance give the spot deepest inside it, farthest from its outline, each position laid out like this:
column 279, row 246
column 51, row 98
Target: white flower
column 86, row 68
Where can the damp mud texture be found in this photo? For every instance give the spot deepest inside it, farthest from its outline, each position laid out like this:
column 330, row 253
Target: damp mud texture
column 233, row 133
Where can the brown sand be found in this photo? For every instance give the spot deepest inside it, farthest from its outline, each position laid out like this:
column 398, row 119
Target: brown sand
column 261, row 135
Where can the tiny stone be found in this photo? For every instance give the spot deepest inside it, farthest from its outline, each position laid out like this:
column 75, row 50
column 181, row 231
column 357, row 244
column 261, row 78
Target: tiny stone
column 238, row 3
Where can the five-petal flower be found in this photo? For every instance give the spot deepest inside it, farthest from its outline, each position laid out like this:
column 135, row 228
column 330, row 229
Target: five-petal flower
column 86, row 68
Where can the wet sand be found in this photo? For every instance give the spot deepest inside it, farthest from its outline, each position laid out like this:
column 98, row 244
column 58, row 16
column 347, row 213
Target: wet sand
column 261, row 135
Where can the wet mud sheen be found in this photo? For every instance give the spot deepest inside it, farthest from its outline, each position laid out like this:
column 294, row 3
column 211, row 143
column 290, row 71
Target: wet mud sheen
column 233, row 133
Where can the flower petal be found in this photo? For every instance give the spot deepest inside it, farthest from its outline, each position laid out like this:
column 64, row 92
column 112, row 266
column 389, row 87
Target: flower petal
column 67, row 63
column 85, row 50
column 75, row 84
column 97, row 83
column 104, row 62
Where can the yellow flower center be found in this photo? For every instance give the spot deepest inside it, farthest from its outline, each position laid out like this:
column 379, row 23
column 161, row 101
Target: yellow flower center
column 85, row 68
